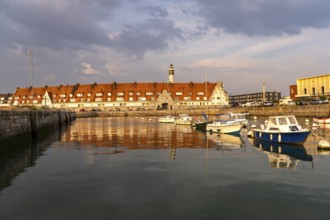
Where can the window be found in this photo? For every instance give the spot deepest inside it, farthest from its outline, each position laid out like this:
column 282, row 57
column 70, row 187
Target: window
column 89, row 94
column 109, row 93
column 120, row 93
column 109, row 99
column 187, row 98
column 189, row 93
column 72, row 100
column 178, row 93
column 153, row 99
column 98, row 94
column 142, row 99
column 305, row 91
column 200, row 93
column 98, row 99
column 282, row 121
column 313, row 89
column 62, row 96
column 322, row 90
column 130, row 99
column 138, row 93
column 120, row 99
column 80, row 94
column 131, row 93
column 71, row 95
column 149, row 93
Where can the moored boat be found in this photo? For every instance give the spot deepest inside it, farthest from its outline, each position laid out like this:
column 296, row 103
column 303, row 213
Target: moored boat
column 240, row 117
column 167, row 119
column 224, row 127
column 184, row 119
column 321, row 120
column 282, row 129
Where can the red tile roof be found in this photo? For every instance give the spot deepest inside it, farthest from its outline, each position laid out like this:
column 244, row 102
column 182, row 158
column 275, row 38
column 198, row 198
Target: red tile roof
column 125, row 90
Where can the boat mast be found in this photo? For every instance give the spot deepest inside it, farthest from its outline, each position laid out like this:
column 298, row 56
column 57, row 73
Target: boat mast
column 205, row 75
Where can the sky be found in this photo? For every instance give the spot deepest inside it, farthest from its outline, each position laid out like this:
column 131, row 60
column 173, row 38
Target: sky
column 243, row 43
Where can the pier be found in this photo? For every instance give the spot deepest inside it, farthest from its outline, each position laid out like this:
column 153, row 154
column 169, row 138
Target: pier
column 322, row 110
column 15, row 122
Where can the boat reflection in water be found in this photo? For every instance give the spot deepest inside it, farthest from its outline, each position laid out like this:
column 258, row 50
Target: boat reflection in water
column 226, row 141
column 283, row 155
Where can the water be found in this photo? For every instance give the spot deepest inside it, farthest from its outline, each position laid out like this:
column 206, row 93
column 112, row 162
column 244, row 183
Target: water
column 134, row 168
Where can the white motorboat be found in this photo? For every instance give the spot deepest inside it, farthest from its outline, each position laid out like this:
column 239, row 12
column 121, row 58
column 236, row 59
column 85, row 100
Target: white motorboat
column 224, row 127
column 167, row 119
column 240, row 117
column 184, row 119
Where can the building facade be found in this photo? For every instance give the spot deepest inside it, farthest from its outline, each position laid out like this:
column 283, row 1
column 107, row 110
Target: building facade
column 255, row 97
column 5, row 99
column 314, row 87
column 124, row 95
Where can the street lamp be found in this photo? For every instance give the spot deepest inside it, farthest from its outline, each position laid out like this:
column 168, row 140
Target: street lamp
column 31, row 54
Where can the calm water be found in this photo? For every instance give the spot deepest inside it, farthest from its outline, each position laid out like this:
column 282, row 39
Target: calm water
column 134, row 168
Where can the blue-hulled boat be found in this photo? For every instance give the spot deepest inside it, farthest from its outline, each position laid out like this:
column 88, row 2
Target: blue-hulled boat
column 282, row 129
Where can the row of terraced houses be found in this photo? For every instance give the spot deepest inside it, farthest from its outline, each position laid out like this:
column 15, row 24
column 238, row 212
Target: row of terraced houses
column 154, row 95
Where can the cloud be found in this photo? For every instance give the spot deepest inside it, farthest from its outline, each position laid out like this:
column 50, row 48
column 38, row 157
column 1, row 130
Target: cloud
column 264, row 18
column 154, row 34
column 88, row 70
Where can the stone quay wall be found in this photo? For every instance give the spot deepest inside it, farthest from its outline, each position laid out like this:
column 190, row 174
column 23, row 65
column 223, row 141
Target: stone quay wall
column 16, row 122
column 322, row 110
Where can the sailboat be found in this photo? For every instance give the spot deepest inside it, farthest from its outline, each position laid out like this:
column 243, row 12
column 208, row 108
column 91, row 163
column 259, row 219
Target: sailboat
column 201, row 125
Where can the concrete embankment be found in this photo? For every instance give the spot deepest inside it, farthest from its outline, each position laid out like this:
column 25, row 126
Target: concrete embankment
column 299, row 110
column 16, row 122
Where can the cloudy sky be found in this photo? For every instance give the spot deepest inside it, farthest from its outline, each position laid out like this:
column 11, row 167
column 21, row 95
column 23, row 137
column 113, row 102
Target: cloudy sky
column 242, row 43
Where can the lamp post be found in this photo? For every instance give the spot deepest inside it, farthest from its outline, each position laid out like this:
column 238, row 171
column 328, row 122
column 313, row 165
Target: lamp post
column 52, row 77
column 31, row 54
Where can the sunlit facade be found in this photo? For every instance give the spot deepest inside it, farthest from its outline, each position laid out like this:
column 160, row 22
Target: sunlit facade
column 314, row 87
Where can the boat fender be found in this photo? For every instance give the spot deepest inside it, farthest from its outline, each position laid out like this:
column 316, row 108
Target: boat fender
column 323, row 144
column 279, row 138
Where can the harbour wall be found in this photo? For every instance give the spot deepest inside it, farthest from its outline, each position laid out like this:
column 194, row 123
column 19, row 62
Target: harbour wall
column 322, row 110
column 15, row 122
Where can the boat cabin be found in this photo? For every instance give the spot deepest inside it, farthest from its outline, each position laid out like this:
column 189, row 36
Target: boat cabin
column 283, row 123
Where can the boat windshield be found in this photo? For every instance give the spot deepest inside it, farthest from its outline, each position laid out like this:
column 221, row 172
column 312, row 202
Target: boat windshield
column 272, row 121
column 292, row 120
column 282, row 121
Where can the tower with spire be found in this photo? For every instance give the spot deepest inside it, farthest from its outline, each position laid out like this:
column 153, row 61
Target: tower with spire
column 171, row 74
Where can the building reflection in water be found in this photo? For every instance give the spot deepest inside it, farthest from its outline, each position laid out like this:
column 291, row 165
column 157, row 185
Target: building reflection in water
column 283, row 155
column 132, row 133
column 137, row 133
